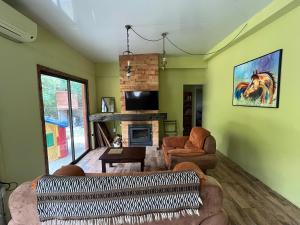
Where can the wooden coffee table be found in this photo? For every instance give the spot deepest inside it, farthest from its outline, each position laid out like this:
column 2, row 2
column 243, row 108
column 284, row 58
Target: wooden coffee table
column 128, row 155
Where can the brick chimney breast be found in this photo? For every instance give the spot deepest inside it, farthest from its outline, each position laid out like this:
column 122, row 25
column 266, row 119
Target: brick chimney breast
column 144, row 77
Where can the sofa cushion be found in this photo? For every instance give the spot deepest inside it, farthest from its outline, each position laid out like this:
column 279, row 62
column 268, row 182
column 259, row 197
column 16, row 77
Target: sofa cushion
column 69, row 170
column 197, row 137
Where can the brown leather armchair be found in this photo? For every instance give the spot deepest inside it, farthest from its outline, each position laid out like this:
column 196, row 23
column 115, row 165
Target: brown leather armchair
column 199, row 147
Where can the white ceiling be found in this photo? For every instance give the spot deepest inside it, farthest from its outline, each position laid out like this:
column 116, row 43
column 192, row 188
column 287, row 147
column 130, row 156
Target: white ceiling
column 96, row 27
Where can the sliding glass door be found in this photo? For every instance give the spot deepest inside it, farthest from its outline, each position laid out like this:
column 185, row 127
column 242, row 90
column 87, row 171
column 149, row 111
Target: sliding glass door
column 80, row 125
column 64, row 116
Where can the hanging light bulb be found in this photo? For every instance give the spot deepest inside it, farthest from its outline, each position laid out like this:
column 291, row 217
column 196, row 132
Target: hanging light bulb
column 164, row 61
column 128, row 73
column 128, row 52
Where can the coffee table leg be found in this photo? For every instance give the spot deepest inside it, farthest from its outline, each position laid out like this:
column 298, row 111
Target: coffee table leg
column 103, row 167
column 142, row 165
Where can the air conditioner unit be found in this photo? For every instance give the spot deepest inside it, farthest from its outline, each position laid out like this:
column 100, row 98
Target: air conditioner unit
column 15, row 26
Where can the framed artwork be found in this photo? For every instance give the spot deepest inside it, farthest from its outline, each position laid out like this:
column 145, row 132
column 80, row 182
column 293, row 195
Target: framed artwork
column 256, row 83
column 108, row 104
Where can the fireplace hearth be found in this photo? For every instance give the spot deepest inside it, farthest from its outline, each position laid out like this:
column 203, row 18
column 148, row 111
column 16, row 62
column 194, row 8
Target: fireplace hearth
column 140, row 135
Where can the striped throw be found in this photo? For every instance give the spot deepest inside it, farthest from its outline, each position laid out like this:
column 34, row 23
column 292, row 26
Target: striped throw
column 117, row 199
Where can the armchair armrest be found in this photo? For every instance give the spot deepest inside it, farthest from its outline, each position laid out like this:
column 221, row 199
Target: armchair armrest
column 175, row 141
column 210, row 145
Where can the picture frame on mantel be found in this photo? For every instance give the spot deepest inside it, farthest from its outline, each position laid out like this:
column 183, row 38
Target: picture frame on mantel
column 108, row 105
column 256, row 83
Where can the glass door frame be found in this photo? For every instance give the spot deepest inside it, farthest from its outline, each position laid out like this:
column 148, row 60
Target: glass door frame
column 43, row 70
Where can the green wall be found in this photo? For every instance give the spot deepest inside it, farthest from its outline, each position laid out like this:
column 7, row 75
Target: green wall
column 108, row 85
column 1, row 164
column 171, row 83
column 22, row 155
column 265, row 142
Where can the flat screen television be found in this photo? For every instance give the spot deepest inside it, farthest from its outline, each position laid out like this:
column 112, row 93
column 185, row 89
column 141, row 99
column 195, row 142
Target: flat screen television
column 141, row 100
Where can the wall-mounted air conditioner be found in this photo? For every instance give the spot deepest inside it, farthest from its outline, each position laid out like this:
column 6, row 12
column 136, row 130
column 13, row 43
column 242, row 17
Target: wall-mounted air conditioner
column 15, row 26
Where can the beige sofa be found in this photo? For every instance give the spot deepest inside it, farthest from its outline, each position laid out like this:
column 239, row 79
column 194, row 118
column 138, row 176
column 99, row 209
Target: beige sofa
column 23, row 206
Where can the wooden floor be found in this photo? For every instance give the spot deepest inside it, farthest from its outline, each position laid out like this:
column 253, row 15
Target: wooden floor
column 247, row 201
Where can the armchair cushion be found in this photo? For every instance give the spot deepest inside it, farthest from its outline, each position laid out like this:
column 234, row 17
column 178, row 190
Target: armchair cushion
column 186, row 156
column 175, row 141
column 185, row 151
column 198, row 136
column 189, row 145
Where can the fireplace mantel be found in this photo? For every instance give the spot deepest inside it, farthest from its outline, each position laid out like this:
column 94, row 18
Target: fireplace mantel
column 104, row 117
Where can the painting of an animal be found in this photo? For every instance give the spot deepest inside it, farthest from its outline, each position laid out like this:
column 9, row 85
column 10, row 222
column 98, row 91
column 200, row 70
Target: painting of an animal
column 262, row 87
column 256, row 83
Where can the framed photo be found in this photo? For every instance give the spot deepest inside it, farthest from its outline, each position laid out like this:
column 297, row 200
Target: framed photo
column 256, row 83
column 108, row 105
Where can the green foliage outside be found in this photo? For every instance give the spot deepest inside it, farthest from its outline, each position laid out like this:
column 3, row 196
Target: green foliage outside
column 50, row 85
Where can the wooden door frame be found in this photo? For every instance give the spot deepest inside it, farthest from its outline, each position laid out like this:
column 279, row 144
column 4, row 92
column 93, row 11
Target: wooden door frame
column 56, row 73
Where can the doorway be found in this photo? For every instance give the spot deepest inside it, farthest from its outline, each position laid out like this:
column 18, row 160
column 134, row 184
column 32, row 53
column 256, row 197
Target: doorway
column 64, row 111
column 192, row 107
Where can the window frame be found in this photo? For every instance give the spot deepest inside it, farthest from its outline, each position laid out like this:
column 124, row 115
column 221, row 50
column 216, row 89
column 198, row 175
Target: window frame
column 43, row 70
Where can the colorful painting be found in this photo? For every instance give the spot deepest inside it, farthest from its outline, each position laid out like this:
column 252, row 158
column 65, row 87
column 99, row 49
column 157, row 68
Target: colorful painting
column 256, row 83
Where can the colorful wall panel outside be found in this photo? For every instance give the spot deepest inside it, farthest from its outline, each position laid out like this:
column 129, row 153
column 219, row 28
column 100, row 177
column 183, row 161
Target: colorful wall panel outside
column 57, row 145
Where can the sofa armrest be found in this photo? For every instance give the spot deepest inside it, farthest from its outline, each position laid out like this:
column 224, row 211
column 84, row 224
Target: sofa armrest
column 175, row 141
column 212, row 197
column 22, row 205
column 220, row 218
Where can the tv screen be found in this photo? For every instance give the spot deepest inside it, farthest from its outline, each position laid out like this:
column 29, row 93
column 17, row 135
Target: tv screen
column 141, row 100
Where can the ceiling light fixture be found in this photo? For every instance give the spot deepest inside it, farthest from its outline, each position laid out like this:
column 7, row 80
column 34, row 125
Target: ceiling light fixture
column 164, row 61
column 128, row 52
column 164, row 37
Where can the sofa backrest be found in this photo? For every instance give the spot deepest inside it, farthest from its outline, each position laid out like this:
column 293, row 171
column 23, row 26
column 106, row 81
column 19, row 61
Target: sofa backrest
column 23, row 205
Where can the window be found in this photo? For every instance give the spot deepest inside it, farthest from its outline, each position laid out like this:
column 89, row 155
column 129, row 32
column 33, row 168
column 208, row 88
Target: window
column 64, row 110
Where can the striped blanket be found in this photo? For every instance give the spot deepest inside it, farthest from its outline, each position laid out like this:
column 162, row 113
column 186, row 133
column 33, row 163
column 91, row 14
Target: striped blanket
column 117, row 199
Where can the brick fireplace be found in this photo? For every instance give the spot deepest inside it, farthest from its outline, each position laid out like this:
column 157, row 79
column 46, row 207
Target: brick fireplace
column 144, row 77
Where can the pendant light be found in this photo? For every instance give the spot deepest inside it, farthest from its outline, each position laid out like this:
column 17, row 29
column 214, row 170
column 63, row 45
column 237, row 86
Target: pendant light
column 128, row 52
column 164, row 61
